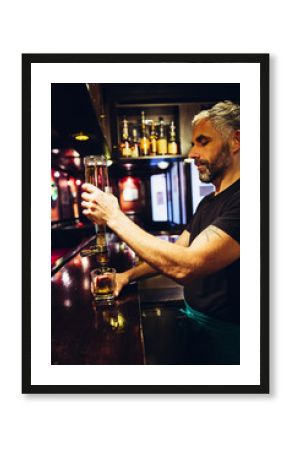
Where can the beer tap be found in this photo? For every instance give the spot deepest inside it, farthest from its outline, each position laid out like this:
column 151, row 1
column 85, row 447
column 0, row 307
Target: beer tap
column 96, row 173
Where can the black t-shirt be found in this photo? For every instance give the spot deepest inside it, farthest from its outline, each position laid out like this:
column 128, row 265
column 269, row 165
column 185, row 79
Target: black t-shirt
column 218, row 294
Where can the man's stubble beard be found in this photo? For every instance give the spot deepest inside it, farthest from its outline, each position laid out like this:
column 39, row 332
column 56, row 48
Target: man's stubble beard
column 217, row 168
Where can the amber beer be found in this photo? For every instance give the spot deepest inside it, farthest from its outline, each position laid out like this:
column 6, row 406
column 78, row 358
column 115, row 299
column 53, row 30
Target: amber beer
column 90, row 169
column 90, row 174
column 101, row 241
column 96, row 174
column 103, row 282
column 103, row 285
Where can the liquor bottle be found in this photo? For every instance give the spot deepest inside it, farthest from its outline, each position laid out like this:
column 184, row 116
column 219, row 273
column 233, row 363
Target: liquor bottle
column 153, row 140
column 144, row 141
column 135, row 144
column 162, row 140
column 125, row 148
column 172, row 144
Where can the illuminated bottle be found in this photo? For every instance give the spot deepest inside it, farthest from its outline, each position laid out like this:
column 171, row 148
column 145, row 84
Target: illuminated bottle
column 162, row 140
column 153, row 140
column 135, row 144
column 125, row 148
column 172, row 144
column 144, row 141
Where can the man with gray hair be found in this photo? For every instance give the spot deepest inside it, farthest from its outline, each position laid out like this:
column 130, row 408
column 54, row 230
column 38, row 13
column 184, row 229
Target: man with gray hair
column 205, row 259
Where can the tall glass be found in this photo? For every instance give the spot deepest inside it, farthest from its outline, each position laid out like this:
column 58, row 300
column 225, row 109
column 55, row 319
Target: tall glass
column 96, row 173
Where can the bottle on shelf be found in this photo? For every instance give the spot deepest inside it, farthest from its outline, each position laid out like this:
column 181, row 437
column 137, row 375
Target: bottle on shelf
column 172, row 144
column 144, row 141
column 153, row 139
column 162, row 140
column 135, row 145
column 125, row 147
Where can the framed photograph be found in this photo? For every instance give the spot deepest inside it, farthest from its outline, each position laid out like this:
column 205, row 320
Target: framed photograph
column 160, row 283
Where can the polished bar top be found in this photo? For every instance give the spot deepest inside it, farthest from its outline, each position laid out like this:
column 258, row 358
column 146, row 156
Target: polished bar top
column 86, row 333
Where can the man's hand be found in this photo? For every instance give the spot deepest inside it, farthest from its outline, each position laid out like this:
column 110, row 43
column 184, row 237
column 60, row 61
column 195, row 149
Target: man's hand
column 122, row 279
column 100, row 207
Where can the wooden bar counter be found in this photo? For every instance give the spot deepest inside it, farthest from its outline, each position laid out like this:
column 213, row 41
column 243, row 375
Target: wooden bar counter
column 84, row 332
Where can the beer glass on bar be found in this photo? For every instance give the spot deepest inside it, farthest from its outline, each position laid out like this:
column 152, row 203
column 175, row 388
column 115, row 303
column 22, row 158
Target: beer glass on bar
column 96, row 173
column 103, row 283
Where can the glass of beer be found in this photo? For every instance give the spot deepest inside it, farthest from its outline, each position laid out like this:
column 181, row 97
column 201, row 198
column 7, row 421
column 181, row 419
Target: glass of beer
column 103, row 282
column 96, row 173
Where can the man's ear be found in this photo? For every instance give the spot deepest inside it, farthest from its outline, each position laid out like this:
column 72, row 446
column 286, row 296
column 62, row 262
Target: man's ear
column 235, row 141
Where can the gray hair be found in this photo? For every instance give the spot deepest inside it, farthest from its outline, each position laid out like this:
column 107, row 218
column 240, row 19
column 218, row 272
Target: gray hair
column 225, row 117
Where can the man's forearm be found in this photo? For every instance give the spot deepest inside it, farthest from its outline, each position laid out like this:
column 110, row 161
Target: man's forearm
column 170, row 259
column 143, row 270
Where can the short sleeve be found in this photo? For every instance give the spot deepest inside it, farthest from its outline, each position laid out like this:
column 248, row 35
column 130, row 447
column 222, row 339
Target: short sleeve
column 200, row 205
column 229, row 220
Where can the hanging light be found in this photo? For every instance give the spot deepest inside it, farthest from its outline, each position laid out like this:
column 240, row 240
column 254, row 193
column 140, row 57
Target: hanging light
column 81, row 136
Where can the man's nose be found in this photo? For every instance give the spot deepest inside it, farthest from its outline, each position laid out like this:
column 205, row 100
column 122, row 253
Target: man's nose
column 193, row 153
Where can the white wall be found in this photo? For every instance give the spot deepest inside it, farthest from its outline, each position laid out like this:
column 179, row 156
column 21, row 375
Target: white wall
column 127, row 422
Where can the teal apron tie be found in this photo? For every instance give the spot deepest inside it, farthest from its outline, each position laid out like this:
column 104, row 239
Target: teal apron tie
column 209, row 322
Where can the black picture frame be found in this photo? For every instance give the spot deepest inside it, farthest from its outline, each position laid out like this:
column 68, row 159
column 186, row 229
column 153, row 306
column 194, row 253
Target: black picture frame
column 263, row 61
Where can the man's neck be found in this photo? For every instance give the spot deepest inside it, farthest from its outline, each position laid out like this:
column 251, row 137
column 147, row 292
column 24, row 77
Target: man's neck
column 224, row 182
